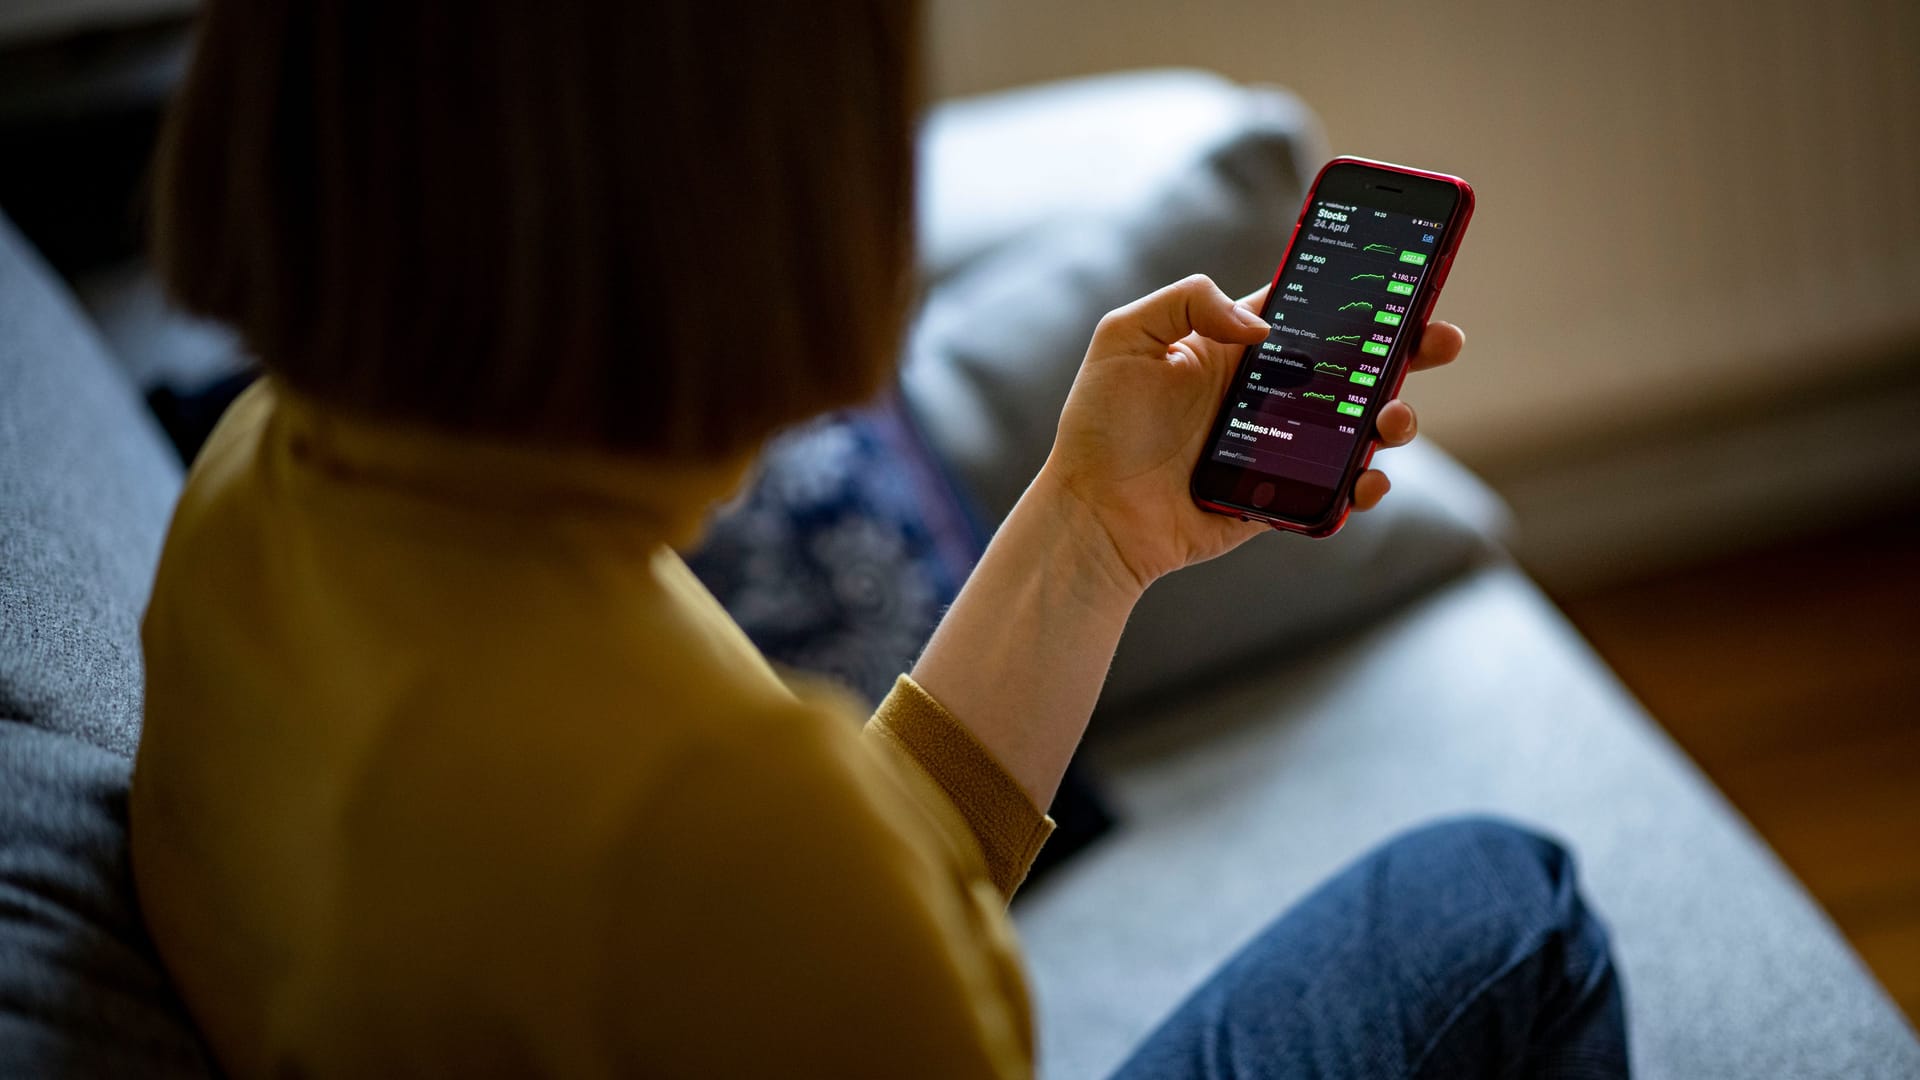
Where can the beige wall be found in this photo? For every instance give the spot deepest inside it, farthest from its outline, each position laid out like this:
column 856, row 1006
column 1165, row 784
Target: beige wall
column 1681, row 205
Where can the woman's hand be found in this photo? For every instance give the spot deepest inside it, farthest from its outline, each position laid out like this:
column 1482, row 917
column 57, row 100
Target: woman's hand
column 1021, row 655
column 1141, row 407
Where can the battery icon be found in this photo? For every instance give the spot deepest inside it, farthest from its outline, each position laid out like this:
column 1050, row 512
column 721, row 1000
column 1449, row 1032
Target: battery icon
column 1348, row 408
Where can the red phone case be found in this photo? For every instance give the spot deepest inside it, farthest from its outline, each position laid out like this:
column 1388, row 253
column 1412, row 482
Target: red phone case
column 1457, row 228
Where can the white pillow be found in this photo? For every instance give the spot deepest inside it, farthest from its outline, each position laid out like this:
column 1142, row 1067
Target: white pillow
column 996, row 345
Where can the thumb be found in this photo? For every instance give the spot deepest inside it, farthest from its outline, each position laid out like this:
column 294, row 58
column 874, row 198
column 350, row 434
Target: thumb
column 1155, row 321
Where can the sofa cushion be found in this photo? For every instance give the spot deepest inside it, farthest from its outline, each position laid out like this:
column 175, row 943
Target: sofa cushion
column 86, row 489
column 1479, row 699
column 996, row 346
column 81, row 991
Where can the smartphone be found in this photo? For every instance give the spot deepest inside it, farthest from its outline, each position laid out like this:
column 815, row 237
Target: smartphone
column 1348, row 304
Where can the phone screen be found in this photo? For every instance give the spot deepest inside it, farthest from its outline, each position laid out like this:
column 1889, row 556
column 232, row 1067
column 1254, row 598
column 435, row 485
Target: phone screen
column 1304, row 400
column 1337, row 311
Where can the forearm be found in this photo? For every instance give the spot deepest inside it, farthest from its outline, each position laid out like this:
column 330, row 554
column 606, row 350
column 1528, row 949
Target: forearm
column 1021, row 655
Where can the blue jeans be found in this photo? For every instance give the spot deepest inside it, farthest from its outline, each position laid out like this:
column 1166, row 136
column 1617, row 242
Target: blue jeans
column 1462, row 949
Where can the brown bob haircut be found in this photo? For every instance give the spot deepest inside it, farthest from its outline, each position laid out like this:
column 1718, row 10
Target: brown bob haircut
column 664, row 227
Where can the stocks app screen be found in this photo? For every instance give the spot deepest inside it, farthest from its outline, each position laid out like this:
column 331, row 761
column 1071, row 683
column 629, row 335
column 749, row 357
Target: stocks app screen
column 1337, row 310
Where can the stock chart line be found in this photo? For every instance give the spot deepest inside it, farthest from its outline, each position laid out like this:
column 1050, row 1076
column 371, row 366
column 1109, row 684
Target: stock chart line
column 1351, row 339
column 1322, row 397
column 1368, row 277
column 1328, row 365
column 1389, row 249
column 1354, row 304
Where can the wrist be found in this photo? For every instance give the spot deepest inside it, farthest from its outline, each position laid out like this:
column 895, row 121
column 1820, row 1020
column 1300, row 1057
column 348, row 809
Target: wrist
column 1095, row 565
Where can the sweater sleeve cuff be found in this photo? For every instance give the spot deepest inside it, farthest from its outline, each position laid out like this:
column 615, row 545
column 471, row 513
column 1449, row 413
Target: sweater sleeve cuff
column 1008, row 826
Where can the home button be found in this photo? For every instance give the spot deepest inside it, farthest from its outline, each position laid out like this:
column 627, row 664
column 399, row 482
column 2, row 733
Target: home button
column 1262, row 495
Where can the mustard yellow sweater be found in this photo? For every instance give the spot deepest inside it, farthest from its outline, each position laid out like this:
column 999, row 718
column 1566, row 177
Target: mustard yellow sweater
column 452, row 768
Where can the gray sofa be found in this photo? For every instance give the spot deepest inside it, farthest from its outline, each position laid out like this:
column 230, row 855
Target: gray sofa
column 1276, row 712
column 1401, row 671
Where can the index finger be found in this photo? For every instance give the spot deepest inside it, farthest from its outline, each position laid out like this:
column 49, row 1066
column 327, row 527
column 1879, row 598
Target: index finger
column 1158, row 320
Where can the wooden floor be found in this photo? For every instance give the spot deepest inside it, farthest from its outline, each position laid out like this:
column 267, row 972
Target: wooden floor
column 1792, row 675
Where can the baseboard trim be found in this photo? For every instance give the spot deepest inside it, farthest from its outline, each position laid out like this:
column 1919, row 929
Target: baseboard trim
column 1659, row 499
